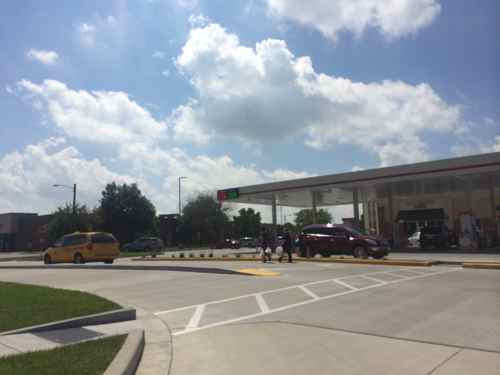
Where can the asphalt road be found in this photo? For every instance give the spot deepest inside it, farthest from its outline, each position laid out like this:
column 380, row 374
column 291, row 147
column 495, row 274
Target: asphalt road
column 326, row 318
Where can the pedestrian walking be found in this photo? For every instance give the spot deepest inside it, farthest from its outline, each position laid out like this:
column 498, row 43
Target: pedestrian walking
column 265, row 245
column 287, row 246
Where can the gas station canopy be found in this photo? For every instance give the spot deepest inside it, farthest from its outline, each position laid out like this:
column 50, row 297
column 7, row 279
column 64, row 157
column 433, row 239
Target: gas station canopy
column 338, row 189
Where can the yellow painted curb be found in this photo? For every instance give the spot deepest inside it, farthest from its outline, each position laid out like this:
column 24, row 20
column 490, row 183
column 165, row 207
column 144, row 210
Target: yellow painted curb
column 482, row 265
column 386, row 262
column 379, row 262
column 258, row 272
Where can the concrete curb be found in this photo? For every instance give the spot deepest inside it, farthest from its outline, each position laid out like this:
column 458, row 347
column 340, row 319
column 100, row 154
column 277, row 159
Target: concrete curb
column 128, row 358
column 22, row 258
column 482, row 265
column 113, row 316
column 379, row 262
column 214, row 259
column 389, row 262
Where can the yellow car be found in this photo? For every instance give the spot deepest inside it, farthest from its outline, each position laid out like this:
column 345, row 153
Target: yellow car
column 82, row 247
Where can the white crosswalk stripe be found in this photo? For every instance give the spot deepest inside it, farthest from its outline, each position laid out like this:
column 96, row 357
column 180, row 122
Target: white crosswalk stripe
column 262, row 305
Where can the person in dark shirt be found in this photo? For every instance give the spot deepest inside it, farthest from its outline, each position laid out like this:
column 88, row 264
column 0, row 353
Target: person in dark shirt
column 287, row 245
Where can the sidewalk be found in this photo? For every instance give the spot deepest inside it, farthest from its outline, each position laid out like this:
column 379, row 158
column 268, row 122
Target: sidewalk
column 155, row 359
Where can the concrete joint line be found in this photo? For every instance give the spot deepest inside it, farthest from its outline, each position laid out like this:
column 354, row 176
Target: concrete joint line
column 308, row 292
column 262, row 303
column 443, row 362
column 195, row 319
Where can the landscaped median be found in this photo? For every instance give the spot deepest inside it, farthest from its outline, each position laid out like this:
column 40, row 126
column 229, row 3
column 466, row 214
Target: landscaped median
column 90, row 357
column 24, row 305
column 236, row 258
column 28, row 309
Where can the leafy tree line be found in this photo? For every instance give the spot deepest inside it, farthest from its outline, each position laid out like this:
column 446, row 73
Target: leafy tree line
column 124, row 211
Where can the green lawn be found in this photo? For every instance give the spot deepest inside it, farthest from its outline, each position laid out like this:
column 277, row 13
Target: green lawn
column 23, row 305
column 87, row 358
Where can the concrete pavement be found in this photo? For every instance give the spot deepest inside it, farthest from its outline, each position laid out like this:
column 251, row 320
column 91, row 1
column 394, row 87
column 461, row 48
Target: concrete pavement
column 313, row 317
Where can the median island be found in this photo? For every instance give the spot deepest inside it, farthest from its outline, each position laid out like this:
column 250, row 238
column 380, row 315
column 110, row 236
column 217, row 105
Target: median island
column 23, row 305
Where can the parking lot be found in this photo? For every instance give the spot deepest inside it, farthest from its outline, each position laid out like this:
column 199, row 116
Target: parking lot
column 326, row 318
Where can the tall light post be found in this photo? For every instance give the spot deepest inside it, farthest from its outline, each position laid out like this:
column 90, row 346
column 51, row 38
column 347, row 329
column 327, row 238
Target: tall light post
column 74, row 194
column 180, row 205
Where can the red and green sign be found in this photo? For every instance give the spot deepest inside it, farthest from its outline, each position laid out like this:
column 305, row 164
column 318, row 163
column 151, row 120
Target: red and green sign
column 224, row 195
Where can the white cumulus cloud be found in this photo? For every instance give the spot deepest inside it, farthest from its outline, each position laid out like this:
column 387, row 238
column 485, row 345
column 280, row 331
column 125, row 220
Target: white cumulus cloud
column 98, row 116
column 393, row 18
column 265, row 94
column 26, row 177
column 43, row 56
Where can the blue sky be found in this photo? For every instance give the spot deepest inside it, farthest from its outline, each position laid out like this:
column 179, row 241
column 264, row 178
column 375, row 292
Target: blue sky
column 234, row 93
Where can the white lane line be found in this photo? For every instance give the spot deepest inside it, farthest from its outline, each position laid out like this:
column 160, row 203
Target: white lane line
column 345, row 284
column 282, row 308
column 374, row 279
column 195, row 319
column 279, row 290
column 262, row 303
column 400, row 277
column 308, row 292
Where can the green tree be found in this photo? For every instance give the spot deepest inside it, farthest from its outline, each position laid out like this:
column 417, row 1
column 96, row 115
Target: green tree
column 126, row 212
column 64, row 222
column 247, row 223
column 203, row 220
column 305, row 217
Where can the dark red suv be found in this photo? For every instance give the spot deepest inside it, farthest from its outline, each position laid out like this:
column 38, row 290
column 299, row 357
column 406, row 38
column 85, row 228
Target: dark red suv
column 328, row 239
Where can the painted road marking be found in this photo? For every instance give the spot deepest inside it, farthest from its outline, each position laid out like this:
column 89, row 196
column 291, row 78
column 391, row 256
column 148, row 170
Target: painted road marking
column 262, row 303
column 287, row 307
column 193, row 324
column 279, row 290
column 348, row 286
column 308, row 292
column 195, row 319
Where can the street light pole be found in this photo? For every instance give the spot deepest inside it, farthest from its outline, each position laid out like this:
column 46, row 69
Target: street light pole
column 180, row 204
column 74, row 200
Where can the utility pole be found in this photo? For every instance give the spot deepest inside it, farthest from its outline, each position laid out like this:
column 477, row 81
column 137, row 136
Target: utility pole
column 74, row 201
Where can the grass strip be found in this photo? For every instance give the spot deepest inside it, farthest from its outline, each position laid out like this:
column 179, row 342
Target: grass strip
column 87, row 358
column 23, row 305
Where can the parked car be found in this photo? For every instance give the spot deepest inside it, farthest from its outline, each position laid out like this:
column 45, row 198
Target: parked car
column 327, row 239
column 82, row 247
column 144, row 244
column 414, row 240
column 248, row 242
column 435, row 237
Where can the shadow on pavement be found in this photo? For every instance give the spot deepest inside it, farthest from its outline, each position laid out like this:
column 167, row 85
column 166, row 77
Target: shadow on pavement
column 117, row 267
